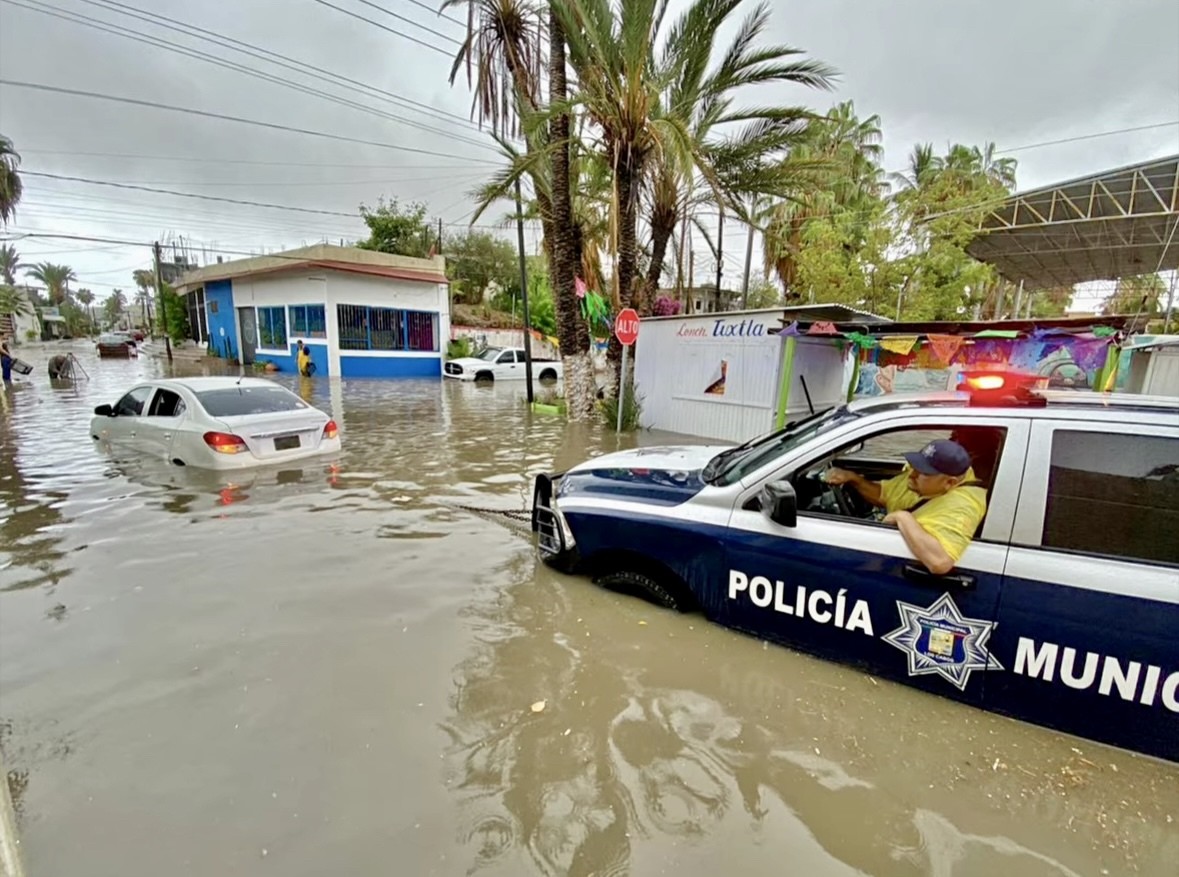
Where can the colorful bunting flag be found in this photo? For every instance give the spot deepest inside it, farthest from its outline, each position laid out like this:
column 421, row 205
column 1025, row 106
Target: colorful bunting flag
column 945, row 347
column 902, row 344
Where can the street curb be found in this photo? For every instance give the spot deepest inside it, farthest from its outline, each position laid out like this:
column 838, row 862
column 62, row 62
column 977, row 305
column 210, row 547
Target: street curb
column 10, row 862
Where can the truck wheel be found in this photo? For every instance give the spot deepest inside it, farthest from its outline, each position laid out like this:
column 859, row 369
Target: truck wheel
column 644, row 586
column 548, row 375
column 484, row 378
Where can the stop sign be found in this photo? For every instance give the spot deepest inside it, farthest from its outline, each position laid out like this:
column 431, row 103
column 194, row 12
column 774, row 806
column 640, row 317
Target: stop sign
column 626, row 326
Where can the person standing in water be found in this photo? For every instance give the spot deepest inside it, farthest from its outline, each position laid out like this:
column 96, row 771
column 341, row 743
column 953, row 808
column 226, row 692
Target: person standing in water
column 5, row 361
column 303, row 360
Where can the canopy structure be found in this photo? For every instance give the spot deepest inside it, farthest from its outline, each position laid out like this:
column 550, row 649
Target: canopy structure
column 1120, row 223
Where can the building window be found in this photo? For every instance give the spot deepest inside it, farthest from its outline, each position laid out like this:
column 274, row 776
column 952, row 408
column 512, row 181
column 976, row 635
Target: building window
column 308, row 321
column 1114, row 494
column 272, row 328
column 365, row 328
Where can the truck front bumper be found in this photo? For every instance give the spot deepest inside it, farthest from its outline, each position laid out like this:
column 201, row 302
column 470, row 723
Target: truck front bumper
column 554, row 539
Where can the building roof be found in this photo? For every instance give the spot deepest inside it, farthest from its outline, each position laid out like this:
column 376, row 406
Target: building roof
column 1119, row 223
column 832, row 313
column 967, row 328
column 322, row 257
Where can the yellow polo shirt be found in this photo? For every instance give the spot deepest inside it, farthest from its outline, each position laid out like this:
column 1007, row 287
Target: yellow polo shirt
column 951, row 518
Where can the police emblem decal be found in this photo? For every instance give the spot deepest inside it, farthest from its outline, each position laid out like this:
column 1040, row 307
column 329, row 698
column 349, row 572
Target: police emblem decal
column 940, row 641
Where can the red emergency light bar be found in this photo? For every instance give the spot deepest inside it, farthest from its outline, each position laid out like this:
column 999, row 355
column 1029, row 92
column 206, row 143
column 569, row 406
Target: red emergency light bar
column 997, row 388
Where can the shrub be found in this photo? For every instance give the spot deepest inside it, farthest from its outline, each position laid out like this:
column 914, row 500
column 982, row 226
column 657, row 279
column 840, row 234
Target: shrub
column 459, row 348
column 632, row 407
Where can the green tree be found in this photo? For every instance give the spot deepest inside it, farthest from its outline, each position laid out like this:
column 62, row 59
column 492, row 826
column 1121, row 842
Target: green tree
column 477, row 259
column 56, row 279
column 85, row 298
column 401, row 231
column 9, row 263
column 1141, row 295
column 10, row 182
column 13, row 303
column 176, row 308
column 113, row 307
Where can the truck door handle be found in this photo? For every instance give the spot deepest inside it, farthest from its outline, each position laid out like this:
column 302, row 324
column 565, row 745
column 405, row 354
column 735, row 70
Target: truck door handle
column 919, row 575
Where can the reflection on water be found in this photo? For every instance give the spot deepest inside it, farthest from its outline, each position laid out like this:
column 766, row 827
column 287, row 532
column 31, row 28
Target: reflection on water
column 330, row 668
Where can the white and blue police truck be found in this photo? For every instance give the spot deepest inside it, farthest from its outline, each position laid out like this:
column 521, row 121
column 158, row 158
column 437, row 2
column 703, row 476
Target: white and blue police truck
column 1062, row 611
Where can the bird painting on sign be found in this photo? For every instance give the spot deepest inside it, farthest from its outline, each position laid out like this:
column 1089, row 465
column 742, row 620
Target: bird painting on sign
column 716, row 386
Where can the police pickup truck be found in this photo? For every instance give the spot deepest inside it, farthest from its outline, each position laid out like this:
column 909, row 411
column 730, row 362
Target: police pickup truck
column 1062, row 611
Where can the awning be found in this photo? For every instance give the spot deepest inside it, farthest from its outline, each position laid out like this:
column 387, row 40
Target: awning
column 1120, row 223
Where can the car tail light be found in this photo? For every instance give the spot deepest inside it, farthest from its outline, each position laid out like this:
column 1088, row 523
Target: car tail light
column 330, row 430
column 225, row 443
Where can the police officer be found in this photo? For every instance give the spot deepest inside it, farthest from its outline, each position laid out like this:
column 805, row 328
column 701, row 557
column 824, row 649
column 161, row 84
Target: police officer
column 936, row 503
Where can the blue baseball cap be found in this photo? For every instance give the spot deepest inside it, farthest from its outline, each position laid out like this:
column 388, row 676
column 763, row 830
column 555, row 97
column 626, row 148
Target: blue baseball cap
column 941, row 457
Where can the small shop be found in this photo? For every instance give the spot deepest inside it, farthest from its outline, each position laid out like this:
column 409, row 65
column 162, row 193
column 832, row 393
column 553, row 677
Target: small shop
column 734, row 376
column 719, row 376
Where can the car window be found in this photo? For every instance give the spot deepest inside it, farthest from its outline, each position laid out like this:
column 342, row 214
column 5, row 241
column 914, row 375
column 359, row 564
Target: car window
column 166, row 404
column 507, row 356
column 236, row 401
column 1113, row 494
column 733, row 464
column 131, row 405
column 488, row 354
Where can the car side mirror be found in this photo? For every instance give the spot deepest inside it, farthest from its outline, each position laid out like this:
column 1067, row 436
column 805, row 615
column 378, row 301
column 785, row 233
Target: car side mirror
column 104, row 411
column 779, row 503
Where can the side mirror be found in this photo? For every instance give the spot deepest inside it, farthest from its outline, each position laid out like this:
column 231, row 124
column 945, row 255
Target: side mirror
column 104, row 411
column 779, row 503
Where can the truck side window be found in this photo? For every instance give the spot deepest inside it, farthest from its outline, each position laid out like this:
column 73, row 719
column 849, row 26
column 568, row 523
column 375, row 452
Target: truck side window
column 1114, row 494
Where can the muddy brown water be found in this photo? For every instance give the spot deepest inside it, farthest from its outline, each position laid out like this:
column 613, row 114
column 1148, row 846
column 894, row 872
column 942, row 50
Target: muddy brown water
column 331, row 671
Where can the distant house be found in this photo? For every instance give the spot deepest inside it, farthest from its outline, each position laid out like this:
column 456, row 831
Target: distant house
column 704, row 299
column 20, row 326
column 360, row 313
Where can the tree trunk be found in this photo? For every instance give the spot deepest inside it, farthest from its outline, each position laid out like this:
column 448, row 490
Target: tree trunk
column 662, row 227
column 629, row 291
column 580, row 386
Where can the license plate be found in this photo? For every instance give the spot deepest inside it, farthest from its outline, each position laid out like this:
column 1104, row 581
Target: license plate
column 286, row 442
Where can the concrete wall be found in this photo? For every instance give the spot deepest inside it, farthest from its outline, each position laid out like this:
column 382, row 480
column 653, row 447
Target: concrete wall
column 540, row 348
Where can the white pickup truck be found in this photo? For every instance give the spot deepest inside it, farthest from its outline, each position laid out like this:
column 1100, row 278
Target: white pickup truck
column 501, row 364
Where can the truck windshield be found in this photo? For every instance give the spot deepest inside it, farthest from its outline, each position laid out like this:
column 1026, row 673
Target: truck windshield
column 489, row 354
column 733, row 464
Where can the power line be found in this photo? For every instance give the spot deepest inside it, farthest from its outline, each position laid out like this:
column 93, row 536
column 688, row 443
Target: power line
column 1080, row 137
column 36, row 86
column 384, row 27
column 439, row 13
column 372, row 5
column 252, row 48
column 205, row 160
column 179, row 49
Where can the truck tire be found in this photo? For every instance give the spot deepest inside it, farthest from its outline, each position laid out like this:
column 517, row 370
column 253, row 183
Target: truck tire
column 548, row 374
column 484, row 377
column 644, row 586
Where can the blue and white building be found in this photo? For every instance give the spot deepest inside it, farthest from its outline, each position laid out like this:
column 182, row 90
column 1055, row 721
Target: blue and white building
column 360, row 313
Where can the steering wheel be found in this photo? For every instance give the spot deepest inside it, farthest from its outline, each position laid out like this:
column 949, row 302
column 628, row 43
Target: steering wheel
column 837, row 492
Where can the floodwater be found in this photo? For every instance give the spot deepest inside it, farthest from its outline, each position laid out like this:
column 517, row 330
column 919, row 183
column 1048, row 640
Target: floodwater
column 332, row 670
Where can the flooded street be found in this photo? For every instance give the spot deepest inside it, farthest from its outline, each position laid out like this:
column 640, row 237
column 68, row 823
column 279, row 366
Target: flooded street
column 331, row 670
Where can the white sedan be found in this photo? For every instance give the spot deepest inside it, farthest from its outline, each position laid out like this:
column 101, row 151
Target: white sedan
column 215, row 423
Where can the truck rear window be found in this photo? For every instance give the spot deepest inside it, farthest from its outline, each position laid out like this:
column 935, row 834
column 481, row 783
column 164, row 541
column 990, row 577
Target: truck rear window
column 236, row 401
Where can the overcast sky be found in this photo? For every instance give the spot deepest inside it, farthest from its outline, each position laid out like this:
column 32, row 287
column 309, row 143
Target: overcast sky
column 1015, row 73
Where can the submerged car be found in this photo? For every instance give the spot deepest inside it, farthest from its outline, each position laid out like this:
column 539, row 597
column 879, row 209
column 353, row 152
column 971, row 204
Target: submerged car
column 1062, row 611
column 215, row 423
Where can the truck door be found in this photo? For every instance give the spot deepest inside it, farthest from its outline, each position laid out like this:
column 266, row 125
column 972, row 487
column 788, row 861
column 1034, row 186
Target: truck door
column 841, row 585
column 1090, row 604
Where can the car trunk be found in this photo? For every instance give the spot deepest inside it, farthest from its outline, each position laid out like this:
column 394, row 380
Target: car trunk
column 272, row 436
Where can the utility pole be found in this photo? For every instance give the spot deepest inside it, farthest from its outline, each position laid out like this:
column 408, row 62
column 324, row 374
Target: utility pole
column 720, row 260
column 748, row 264
column 523, row 288
column 1018, row 301
column 163, row 304
column 691, row 278
column 439, row 236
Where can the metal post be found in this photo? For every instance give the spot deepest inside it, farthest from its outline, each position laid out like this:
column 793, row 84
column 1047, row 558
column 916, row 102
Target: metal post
column 622, row 384
column 748, row 264
column 524, row 291
column 1170, row 303
column 691, row 278
column 163, row 304
column 1018, row 301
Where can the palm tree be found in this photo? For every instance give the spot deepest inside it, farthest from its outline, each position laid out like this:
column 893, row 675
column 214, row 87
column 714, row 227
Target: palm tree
column 10, row 183
column 9, row 263
column 624, row 81
column 13, row 304
column 114, row 305
column 56, row 279
column 86, row 298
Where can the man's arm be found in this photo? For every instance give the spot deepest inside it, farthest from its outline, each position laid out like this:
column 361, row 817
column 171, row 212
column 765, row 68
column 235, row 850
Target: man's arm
column 869, row 490
column 925, row 547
